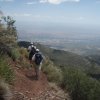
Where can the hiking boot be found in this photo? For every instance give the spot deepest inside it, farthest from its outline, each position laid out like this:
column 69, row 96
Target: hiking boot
column 37, row 77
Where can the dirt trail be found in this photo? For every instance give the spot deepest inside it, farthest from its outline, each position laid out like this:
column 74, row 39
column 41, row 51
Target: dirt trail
column 26, row 87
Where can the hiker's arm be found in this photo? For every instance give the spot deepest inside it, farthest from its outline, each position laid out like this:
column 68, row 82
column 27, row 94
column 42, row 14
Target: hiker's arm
column 33, row 58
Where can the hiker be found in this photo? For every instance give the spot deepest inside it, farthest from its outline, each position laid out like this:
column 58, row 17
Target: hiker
column 37, row 58
column 32, row 51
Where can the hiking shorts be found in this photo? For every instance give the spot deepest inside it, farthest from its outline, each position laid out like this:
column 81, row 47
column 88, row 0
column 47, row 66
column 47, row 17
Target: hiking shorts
column 30, row 56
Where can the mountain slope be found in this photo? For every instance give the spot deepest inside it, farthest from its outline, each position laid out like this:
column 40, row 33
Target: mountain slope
column 25, row 87
column 60, row 57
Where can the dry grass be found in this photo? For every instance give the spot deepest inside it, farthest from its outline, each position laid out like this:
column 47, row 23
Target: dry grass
column 5, row 93
column 54, row 74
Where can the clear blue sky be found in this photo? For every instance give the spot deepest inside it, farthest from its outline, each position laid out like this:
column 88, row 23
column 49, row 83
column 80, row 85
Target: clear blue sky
column 54, row 15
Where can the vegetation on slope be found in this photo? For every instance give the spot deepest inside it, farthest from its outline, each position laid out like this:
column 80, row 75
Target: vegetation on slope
column 5, row 93
column 54, row 74
column 5, row 70
column 80, row 85
column 8, row 37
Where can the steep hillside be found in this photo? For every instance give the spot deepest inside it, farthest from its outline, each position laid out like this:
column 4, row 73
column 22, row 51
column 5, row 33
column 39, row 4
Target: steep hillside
column 60, row 57
column 74, row 81
column 23, row 84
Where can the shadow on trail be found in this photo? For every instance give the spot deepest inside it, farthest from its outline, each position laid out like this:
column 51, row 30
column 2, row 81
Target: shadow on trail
column 31, row 77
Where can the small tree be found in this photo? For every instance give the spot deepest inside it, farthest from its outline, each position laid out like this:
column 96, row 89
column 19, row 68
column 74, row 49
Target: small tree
column 8, row 32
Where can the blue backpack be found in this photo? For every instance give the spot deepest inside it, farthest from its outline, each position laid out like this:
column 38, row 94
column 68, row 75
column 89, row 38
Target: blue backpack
column 38, row 58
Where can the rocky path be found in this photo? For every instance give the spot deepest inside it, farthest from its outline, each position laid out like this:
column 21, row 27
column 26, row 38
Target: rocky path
column 25, row 87
column 50, row 94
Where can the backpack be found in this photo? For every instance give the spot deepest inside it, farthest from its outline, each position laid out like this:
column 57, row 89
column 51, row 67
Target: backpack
column 33, row 50
column 38, row 58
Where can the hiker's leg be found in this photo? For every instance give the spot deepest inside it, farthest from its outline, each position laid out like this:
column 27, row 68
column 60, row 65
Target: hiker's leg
column 31, row 63
column 40, row 66
column 37, row 72
column 30, row 58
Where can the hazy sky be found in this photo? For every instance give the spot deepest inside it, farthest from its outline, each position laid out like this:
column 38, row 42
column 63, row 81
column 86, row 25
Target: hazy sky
column 54, row 15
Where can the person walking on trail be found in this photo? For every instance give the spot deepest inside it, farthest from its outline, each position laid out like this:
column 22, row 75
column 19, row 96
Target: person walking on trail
column 37, row 58
column 32, row 51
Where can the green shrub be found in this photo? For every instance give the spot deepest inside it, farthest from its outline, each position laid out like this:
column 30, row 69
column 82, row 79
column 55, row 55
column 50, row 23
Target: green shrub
column 5, row 93
column 24, row 63
column 5, row 72
column 80, row 86
column 53, row 73
column 23, row 51
column 21, row 54
column 15, row 54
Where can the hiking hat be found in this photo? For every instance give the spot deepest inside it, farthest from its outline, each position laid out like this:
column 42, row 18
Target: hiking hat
column 33, row 46
column 37, row 50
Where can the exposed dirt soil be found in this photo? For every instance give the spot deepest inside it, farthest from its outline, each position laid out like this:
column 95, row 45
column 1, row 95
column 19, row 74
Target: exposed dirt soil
column 26, row 87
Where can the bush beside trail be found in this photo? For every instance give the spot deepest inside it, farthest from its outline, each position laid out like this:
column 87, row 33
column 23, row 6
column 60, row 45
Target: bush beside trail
column 5, row 93
column 5, row 70
column 75, row 81
column 79, row 85
column 54, row 74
